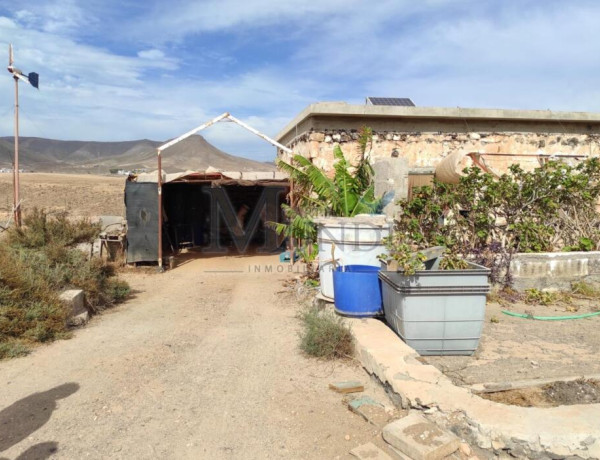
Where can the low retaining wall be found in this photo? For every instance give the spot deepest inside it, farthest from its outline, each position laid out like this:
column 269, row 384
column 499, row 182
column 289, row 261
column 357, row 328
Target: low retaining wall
column 555, row 270
column 522, row 432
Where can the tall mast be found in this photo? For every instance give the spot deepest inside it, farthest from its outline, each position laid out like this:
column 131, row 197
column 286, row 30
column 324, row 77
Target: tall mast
column 16, row 185
column 34, row 80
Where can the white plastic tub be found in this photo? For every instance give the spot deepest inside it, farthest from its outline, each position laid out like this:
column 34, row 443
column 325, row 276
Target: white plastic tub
column 353, row 240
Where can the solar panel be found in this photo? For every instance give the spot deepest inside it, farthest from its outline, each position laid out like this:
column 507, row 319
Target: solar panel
column 395, row 101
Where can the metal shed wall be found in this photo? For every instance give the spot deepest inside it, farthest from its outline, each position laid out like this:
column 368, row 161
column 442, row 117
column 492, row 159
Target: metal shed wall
column 141, row 203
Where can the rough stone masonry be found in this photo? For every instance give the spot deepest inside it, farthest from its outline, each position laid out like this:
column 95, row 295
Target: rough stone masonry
column 424, row 136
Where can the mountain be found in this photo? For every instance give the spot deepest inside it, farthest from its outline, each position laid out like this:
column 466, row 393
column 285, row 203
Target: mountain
column 48, row 155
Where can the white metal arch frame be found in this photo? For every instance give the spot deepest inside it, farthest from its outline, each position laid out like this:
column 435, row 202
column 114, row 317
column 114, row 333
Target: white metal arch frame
column 225, row 116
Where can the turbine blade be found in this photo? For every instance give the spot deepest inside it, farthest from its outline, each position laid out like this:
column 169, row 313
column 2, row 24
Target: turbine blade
column 10, row 55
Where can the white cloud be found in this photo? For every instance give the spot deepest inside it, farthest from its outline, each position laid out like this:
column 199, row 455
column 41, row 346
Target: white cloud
column 177, row 19
column 465, row 53
column 59, row 16
column 151, row 54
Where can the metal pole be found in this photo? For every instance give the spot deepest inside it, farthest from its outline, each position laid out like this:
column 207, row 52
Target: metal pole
column 160, row 214
column 16, row 203
column 292, row 205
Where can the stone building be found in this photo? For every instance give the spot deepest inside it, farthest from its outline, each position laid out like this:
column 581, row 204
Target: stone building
column 411, row 141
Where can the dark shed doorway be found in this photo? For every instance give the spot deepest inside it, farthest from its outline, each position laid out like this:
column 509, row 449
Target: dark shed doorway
column 211, row 215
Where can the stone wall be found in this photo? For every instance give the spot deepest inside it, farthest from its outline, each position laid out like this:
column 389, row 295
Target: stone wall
column 555, row 270
column 427, row 149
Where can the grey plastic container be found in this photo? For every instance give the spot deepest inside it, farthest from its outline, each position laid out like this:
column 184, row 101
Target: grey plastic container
column 437, row 312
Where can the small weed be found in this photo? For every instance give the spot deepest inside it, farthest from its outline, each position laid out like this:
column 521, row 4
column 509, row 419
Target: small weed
column 325, row 335
column 535, row 296
column 584, row 289
column 311, row 282
column 117, row 290
column 494, row 319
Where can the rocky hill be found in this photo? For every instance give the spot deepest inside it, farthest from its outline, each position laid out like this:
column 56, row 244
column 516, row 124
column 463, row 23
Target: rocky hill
column 48, row 155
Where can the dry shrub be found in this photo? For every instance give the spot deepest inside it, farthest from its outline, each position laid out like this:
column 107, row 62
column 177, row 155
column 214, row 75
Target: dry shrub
column 37, row 262
column 325, row 335
column 41, row 230
column 586, row 290
column 30, row 310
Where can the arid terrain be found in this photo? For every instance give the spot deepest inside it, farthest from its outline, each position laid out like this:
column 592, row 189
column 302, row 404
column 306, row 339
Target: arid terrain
column 202, row 362
column 82, row 195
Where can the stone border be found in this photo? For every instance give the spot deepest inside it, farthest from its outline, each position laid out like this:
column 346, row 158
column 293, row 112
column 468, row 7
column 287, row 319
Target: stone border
column 531, row 432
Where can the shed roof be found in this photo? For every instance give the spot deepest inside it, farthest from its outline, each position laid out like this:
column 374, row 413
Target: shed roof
column 215, row 175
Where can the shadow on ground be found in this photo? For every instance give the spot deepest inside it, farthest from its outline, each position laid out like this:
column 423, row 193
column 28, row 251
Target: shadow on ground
column 40, row 451
column 24, row 417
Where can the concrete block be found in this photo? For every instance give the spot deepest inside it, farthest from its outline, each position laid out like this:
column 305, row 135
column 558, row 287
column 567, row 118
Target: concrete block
column 74, row 298
column 369, row 409
column 398, row 454
column 369, row 451
column 420, row 439
column 78, row 314
column 351, row 386
column 79, row 320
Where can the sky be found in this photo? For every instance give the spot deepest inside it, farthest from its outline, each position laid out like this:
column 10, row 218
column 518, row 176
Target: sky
column 123, row 69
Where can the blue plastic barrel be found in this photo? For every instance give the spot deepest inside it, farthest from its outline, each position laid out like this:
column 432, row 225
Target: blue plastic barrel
column 357, row 290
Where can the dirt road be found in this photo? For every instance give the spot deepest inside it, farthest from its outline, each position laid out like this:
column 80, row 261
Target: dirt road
column 202, row 363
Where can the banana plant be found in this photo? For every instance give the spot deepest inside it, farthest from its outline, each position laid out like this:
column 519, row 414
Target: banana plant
column 349, row 192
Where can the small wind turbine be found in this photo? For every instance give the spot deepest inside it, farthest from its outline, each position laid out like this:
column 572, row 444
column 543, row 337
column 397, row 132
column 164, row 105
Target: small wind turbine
column 33, row 79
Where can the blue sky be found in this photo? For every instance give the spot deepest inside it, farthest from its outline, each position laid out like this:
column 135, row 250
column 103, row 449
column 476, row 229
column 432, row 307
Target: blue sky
column 121, row 70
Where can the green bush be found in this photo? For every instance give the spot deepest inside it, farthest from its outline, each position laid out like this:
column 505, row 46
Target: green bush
column 489, row 219
column 325, row 335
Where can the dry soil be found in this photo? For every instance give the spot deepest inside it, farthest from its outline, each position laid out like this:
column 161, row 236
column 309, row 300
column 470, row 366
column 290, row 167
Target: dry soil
column 553, row 394
column 82, row 195
column 203, row 362
column 515, row 349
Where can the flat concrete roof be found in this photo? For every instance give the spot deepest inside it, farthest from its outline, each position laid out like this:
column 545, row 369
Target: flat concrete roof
column 342, row 109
